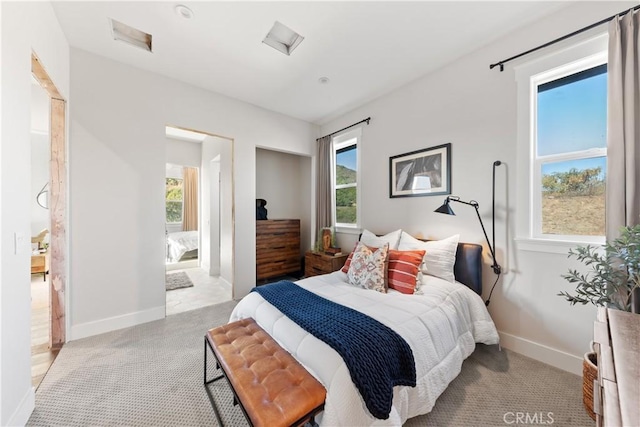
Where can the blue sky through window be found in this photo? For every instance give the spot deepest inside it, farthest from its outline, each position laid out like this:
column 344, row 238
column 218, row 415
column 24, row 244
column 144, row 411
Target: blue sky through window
column 347, row 158
column 573, row 117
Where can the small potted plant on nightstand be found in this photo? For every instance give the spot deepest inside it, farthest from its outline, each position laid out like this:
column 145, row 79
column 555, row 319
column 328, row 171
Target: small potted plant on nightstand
column 614, row 281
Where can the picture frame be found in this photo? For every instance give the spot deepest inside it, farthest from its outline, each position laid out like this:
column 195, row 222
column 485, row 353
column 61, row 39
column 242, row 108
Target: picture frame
column 425, row 172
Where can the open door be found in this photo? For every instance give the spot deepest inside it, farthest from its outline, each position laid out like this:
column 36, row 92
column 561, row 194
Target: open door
column 57, row 205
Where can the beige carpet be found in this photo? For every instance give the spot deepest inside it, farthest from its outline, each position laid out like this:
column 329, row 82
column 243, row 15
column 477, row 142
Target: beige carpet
column 151, row 375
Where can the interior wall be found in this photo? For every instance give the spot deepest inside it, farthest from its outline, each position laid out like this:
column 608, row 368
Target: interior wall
column 212, row 148
column 283, row 180
column 474, row 108
column 24, row 27
column 130, row 154
column 185, row 153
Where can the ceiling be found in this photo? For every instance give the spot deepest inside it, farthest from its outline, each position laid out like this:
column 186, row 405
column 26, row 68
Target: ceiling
column 366, row 49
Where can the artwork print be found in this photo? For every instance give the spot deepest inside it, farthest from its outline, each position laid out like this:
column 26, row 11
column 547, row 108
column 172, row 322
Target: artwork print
column 424, row 172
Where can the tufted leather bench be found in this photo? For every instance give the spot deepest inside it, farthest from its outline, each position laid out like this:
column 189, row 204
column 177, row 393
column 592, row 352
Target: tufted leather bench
column 272, row 388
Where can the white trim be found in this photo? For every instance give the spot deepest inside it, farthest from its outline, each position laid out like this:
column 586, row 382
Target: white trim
column 109, row 324
column 542, row 353
column 583, row 55
column 338, row 142
column 26, row 406
column 181, row 265
column 551, row 246
column 225, row 281
column 349, row 230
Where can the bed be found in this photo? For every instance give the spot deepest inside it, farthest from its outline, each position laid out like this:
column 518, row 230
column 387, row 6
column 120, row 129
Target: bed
column 182, row 245
column 442, row 326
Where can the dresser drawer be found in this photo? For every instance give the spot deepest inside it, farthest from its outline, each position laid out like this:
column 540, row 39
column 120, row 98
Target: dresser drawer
column 277, row 248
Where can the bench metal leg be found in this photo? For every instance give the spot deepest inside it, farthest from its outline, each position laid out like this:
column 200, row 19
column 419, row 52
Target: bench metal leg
column 206, row 383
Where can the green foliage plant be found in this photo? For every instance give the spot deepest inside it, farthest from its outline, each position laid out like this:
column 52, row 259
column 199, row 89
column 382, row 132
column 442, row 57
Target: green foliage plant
column 585, row 182
column 614, row 275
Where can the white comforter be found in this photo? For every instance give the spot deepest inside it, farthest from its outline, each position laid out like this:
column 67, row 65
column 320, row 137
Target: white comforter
column 180, row 243
column 441, row 326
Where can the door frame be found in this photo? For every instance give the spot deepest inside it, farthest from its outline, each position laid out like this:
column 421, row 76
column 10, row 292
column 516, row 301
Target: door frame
column 57, row 205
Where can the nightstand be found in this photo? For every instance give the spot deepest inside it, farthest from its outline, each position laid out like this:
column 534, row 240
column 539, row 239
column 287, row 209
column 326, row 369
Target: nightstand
column 40, row 264
column 316, row 263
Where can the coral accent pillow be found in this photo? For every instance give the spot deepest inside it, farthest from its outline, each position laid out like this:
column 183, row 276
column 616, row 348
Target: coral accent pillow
column 403, row 270
column 373, row 241
column 347, row 263
column 368, row 268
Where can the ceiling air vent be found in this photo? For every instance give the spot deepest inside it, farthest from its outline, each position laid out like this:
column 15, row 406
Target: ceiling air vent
column 131, row 35
column 282, row 38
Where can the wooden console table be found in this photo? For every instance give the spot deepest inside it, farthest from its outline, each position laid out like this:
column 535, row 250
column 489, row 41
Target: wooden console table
column 616, row 392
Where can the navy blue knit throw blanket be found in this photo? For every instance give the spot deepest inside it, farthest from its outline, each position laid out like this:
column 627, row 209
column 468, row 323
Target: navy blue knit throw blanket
column 377, row 357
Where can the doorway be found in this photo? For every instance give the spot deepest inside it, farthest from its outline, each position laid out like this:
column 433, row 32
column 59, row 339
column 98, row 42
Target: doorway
column 48, row 220
column 198, row 275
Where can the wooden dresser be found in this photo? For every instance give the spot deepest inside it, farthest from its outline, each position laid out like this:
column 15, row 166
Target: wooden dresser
column 316, row 263
column 277, row 247
column 616, row 392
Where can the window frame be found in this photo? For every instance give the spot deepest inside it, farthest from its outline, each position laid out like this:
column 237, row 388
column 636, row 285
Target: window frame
column 338, row 142
column 586, row 54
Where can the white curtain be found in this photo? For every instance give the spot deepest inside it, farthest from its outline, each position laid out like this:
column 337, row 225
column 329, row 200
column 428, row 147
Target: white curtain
column 623, row 125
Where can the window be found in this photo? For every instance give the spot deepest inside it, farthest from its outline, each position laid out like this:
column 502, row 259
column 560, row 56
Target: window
column 173, row 200
column 562, row 126
column 345, row 174
column 570, row 155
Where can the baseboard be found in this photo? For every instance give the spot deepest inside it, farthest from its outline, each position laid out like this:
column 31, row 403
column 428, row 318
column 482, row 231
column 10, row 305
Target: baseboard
column 22, row 413
column 192, row 263
column 101, row 326
column 225, row 281
column 550, row 356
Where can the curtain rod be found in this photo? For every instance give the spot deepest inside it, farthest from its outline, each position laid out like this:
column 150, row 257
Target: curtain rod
column 345, row 128
column 559, row 39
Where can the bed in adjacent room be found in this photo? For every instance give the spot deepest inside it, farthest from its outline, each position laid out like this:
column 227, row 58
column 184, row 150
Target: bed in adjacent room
column 182, row 245
column 441, row 320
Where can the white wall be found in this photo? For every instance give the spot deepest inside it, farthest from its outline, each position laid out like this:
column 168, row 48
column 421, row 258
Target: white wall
column 24, row 26
column 118, row 116
column 284, row 181
column 474, row 108
column 183, row 153
column 215, row 151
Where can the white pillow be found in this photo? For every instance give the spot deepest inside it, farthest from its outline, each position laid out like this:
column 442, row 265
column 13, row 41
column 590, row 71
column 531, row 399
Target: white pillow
column 439, row 257
column 392, row 239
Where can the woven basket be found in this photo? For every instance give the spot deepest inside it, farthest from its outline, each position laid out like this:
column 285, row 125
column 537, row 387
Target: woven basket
column 589, row 374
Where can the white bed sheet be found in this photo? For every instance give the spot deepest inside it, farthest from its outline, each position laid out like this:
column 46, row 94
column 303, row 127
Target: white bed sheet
column 441, row 326
column 180, row 243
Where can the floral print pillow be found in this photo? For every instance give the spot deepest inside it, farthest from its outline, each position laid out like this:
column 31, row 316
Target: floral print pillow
column 368, row 267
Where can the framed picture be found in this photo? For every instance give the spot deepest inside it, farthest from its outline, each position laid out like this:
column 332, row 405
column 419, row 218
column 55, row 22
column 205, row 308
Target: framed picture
column 421, row 173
